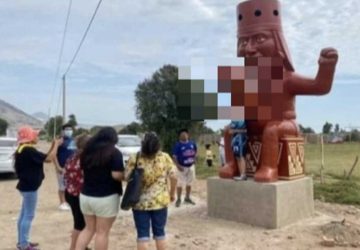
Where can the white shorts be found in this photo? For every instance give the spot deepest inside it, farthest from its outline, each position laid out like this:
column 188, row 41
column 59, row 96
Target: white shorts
column 105, row 207
column 61, row 182
column 186, row 177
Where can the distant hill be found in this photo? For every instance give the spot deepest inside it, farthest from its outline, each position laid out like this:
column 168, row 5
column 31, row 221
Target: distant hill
column 16, row 117
column 41, row 116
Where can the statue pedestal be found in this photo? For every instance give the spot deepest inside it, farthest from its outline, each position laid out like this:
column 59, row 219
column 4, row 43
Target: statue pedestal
column 268, row 205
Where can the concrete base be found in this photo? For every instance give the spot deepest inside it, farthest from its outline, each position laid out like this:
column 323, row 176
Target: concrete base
column 269, row 205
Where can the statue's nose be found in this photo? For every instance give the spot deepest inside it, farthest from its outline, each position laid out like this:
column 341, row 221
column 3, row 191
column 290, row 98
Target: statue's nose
column 250, row 49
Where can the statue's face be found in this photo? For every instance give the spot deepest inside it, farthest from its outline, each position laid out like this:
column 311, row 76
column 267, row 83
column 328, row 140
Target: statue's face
column 260, row 44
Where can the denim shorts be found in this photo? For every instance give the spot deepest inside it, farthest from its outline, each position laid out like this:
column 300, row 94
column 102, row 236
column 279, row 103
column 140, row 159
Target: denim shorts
column 238, row 145
column 156, row 218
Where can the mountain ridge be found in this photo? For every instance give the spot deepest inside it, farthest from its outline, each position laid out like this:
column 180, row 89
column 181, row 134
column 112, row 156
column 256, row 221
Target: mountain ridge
column 17, row 117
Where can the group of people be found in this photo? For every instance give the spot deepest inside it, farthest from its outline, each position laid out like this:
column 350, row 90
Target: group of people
column 90, row 171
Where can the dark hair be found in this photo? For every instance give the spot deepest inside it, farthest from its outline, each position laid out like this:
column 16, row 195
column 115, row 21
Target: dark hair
column 81, row 141
column 207, row 146
column 150, row 145
column 99, row 149
column 183, row 130
column 67, row 125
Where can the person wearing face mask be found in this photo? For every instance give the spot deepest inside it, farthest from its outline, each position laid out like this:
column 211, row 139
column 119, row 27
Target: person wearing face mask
column 65, row 151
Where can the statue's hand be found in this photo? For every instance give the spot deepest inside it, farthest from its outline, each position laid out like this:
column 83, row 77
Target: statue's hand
column 328, row 57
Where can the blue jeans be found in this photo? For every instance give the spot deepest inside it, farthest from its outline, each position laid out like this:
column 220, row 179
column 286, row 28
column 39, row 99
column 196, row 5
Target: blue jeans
column 157, row 219
column 27, row 214
column 238, row 144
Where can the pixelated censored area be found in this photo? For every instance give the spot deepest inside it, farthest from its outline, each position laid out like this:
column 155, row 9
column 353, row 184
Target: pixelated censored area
column 251, row 92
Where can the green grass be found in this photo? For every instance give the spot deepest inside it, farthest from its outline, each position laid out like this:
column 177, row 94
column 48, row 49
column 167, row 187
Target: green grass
column 343, row 192
column 338, row 158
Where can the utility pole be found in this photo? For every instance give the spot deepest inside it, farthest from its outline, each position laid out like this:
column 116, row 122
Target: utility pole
column 64, row 100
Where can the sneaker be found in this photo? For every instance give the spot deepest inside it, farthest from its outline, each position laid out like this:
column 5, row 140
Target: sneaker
column 29, row 247
column 189, row 201
column 64, row 207
column 178, row 203
column 240, row 178
column 31, row 244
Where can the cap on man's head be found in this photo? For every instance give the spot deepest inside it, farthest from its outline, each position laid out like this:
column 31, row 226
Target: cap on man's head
column 67, row 125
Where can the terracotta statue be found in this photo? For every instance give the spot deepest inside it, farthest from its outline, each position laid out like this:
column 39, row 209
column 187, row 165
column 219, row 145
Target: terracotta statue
column 260, row 35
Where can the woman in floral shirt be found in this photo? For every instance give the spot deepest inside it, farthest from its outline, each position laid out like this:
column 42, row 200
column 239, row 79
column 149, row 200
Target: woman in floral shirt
column 156, row 196
column 73, row 184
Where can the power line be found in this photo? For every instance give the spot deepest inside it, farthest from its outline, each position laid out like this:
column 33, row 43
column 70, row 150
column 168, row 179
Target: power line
column 83, row 38
column 60, row 55
column 59, row 65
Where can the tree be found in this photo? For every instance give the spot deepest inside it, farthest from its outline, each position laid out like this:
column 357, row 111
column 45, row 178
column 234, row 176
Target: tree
column 72, row 120
column 3, row 126
column 306, row 130
column 203, row 129
column 54, row 124
column 156, row 108
column 327, row 128
column 131, row 129
column 337, row 128
column 354, row 135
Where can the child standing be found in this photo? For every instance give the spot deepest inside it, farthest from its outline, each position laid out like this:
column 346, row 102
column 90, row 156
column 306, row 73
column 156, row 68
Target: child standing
column 209, row 155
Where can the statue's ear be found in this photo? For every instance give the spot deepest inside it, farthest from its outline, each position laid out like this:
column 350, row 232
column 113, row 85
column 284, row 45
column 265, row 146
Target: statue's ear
column 287, row 64
column 282, row 50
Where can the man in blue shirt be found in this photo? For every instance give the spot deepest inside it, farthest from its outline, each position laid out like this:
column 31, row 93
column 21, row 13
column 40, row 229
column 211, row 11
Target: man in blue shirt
column 65, row 151
column 184, row 155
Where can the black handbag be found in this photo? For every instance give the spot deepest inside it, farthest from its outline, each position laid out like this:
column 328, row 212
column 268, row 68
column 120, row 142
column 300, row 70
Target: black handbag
column 133, row 188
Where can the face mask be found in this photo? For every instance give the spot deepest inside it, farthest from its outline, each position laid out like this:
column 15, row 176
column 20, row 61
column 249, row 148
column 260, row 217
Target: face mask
column 68, row 133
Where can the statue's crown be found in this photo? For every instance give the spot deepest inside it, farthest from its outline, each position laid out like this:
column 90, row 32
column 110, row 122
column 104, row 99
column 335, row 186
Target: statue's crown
column 257, row 15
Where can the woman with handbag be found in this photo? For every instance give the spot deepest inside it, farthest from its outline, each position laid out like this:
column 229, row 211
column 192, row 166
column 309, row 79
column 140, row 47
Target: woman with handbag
column 155, row 195
column 102, row 165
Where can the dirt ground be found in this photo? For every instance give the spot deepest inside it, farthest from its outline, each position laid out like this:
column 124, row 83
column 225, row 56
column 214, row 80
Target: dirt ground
column 188, row 226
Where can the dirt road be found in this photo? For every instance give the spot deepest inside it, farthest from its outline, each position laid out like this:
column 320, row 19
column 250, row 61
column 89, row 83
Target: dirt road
column 188, row 226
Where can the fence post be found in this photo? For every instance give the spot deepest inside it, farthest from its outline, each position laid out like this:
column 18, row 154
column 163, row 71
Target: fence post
column 322, row 160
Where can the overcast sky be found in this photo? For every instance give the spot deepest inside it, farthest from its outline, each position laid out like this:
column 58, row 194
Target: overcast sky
column 129, row 40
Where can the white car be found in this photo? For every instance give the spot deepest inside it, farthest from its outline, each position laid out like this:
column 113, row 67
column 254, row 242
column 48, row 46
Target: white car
column 7, row 151
column 129, row 145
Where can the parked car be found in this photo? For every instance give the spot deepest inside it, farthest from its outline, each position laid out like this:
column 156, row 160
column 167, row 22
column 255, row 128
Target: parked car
column 129, row 145
column 7, row 151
